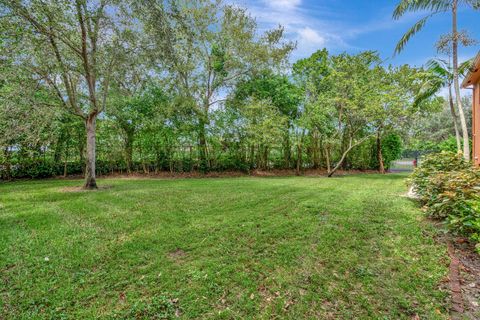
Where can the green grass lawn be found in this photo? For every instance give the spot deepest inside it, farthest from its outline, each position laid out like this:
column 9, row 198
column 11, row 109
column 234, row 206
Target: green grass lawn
column 232, row 248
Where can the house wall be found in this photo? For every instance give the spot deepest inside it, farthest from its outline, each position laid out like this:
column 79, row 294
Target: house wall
column 476, row 124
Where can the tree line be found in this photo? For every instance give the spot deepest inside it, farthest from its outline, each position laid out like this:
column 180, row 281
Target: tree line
column 105, row 86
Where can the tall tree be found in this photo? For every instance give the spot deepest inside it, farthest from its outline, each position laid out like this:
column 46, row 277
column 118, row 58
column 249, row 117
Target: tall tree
column 434, row 7
column 440, row 75
column 283, row 94
column 207, row 47
column 72, row 46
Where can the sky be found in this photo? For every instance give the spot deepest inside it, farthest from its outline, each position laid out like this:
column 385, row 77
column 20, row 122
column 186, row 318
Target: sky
column 357, row 25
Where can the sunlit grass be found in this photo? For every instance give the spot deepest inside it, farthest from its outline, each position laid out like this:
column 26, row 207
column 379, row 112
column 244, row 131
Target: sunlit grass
column 340, row 248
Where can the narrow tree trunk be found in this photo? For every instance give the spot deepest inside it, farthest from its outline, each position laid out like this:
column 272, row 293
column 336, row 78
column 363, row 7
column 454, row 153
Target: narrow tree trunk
column 90, row 125
column 344, row 155
column 286, row 149
column 381, row 166
column 455, row 119
column 315, row 150
column 202, row 145
column 265, row 157
column 327, row 158
column 466, row 141
column 8, row 171
column 252, row 157
column 65, row 163
column 129, row 134
column 299, row 158
column 60, row 145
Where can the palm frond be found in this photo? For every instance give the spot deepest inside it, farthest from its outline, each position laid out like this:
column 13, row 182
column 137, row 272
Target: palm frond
column 465, row 67
column 432, row 87
column 439, row 68
column 475, row 4
column 410, row 33
column 433, row 6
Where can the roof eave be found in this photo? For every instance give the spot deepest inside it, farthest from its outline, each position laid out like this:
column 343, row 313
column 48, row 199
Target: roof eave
column 473, row 73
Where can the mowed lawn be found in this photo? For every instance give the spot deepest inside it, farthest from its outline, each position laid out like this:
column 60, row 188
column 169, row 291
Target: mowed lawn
column 231, row 248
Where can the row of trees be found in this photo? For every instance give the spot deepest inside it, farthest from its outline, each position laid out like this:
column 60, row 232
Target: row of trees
column 188, row 85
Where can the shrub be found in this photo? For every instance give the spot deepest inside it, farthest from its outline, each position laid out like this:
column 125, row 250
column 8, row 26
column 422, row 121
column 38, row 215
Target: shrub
column 449, row 187
column 391, row 149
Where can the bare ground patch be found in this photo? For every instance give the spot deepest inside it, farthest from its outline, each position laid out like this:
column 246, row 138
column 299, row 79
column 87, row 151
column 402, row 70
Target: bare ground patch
column 82, row 189
column 177, row 255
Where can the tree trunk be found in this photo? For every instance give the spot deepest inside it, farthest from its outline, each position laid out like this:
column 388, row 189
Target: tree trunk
column 90, row 125
column 455, row 119
column 8, row 171
column 60, row 145
column 286, row 149
column 202, row 145
column 129, row 136
column 344, row 155
column 252, row 157
column 381, row 166
column 327, row 158
column 265, row 157
column 299, row 158
column 466, row 140
column 315, row 150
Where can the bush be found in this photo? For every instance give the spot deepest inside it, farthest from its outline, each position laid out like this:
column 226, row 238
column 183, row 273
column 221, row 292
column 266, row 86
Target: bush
column 391, row 149
column 449, row 188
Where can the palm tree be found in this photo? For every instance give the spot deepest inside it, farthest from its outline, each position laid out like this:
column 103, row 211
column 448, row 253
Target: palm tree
column 440, row 75
column 435, row 7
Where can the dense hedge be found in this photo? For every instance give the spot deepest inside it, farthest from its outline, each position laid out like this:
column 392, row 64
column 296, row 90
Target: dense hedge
column 363, row 157
column 449, row 187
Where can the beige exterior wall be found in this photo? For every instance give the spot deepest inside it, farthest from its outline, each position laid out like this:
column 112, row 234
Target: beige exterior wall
column 476, row 124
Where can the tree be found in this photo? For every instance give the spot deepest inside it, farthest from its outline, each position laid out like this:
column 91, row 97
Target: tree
column 435, row 7
column 340, row 90
column 283, row 94
column 207, row 48
column 263, row 124
column 441, row 76
column 394, row 107
column 72, row 46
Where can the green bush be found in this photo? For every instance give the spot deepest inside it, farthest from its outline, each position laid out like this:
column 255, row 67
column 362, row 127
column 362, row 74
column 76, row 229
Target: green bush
column 449, row 187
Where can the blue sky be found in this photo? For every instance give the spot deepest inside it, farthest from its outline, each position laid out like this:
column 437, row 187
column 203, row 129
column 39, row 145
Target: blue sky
column 357, row 25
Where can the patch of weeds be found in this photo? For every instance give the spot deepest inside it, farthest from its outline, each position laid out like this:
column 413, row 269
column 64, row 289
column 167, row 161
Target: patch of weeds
column 159, row 307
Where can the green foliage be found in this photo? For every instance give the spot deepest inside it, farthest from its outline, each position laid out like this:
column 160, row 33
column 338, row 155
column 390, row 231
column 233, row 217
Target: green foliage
column 449, row 187
column 391, row 148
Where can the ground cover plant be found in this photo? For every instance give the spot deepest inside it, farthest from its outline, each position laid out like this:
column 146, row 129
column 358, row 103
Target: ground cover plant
column 449, row 188
column 290, row 247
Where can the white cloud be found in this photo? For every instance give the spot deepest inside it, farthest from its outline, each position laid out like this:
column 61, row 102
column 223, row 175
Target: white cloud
column 283, row 4
column 310, row 37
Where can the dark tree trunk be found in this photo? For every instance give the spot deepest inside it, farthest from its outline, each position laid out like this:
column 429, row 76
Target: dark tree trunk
column 252, row 157
column 8, row 170
column 315, row 150
column 90, row 125
column 299, row 159
column 381, row 166
column 60, row 145
column 286, row 150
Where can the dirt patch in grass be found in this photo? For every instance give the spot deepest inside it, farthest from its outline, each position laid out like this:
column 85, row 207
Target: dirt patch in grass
column 81, row 189
column 177, row 255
